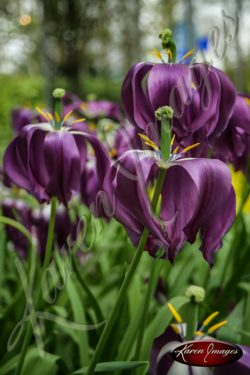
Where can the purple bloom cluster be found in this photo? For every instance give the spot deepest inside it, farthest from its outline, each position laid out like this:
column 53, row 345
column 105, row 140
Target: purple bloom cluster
column 36, row 221
column 197, row 195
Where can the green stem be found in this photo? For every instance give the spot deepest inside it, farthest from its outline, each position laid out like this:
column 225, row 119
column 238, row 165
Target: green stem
column 93, row 301
column 192, row 319
column 15, row 224
column 50, row 237
column 246, row 321
column 24, row 349
column 148, row 296
column 127, row 280
column 57, row 112
column 165, row 138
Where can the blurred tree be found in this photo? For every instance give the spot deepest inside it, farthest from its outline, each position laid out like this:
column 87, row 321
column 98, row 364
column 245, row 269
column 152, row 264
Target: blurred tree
column 130, row 31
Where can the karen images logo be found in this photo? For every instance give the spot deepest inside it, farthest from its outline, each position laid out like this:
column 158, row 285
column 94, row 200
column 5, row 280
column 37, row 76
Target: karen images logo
column 206, row 353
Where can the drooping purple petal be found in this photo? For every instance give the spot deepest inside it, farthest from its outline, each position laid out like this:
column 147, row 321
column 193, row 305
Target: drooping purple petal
column 161, row 365
column 200, row 205
column 240, row 367
column 21, row 117
column 62, row 161
column 17, row 165
column 197, row 196
column 233, row 145
column 135, row 101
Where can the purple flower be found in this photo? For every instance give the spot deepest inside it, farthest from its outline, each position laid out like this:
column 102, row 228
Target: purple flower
column 233, row 146
column 126, row 139
column 17, row 210
column 201, row 96
column 161, row 362
column 23, row 116
column 48, row 162
column 197, row 196
column 65, row 228
column 93, row 109
column 36, row 221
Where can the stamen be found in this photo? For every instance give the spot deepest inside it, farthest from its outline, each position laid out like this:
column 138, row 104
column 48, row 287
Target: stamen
column 91, row 126
column 84, row 105
column 152, row 145
column 57, row 117
column 199, row 333
column 193, row 85
column 210, row 318
column 187, row 55
column 169, row 53
column 108, row 127
column 175, row 313
column 247, row 100
column 113, row 152
column 217, row 326
column 67, row 116
column 190, row 148
column 176, row 150
column 156, row 53
column 79, row 120
column 172, row 140
column 148, row 141
column 176, row 329
column 49, row 116
column 42, row 113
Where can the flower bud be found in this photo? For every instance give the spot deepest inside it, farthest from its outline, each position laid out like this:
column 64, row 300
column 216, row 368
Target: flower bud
column 58, row 93
column 165, row 36
column 168, row 43
column 163, row 113
column 195, row 292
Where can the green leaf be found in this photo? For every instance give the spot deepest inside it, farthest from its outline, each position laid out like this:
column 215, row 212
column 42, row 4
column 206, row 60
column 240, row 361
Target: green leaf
column 159, row 324
column 113, row 366
column 78, row 312
column 34, row 363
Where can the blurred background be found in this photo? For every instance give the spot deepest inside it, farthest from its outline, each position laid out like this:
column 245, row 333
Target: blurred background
column 87, row 46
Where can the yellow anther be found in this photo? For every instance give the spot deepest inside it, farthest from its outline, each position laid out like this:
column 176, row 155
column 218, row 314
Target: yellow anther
column 172, row 140
column 57, row 117
column 79, row 120
column 190, row 148
column 144, row 137
column 217, row 326
column 108, row 127
column 153, row 145
column 187, row 55
column 84, row 105
column 193, row 85
column 247, row 100
column 175, row 313
column 113, row 153
column 49, row 116
column 199, row 333
column 176, row 329
column 67, row 116
column 169, row 53
column 176, row 150
column 42, row 113
column 148, row 141
column 210, row 318
column 156, row 53
column 92, row 126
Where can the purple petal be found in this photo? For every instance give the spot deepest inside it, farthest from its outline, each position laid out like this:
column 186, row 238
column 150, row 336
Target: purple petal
column 136, row 103
column 240, row 367
column 62, row 161
column 213, row 198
